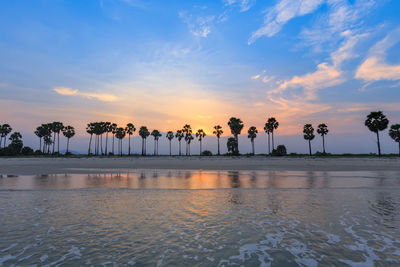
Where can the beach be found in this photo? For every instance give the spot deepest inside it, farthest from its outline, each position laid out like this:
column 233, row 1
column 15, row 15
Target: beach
column 36, row 166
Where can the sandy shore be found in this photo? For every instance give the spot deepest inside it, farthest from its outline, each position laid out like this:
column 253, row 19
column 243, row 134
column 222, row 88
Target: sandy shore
column 35, row 166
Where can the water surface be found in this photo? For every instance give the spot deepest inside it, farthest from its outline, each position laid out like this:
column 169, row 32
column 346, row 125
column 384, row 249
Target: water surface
column 202, row 218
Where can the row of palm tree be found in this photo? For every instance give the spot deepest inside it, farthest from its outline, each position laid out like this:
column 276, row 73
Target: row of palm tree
column 49, row 131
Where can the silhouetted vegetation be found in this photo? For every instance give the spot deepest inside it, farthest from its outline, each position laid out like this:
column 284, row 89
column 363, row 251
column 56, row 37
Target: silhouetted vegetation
column 376, row 121
column 308, row 131
column 49, row 137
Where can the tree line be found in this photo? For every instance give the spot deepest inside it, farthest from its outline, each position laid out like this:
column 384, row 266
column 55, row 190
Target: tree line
column 100, row 132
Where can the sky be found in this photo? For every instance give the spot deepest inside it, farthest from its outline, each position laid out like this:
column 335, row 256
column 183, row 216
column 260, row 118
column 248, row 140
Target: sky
column 167, row 63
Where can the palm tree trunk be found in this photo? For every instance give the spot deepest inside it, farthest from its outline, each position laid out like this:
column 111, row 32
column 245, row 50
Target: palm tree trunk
column 101, row 144
column 180, row 151
column 54, row 141
column 58, row 143
column 67, row 145
column 106, row 150
column 237, row 144
column 218, row 147
column 323, row 143
column 170, row 148
column 200, row 147
column 113, row 144
column 399, row 148
column 129, row 150
column 379, row 144
column 90, row 144
column 269, row 145
column 40, row 144
column 145, row 147
column 252, row 145
column 309, row 146
column 273, row 145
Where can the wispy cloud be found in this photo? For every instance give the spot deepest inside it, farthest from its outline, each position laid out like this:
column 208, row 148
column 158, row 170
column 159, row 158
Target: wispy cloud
column 342, row 15
column 75, row 92
column 199, row 26
column 375, row 68
column 328, row 74
column 285, row 10
column 244, row 5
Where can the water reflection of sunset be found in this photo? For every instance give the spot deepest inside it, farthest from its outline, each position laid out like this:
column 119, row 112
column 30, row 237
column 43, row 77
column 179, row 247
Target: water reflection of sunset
column 187, row 179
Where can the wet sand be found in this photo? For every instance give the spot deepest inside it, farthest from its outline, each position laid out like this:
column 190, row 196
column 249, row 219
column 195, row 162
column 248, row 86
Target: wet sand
column 35, row 166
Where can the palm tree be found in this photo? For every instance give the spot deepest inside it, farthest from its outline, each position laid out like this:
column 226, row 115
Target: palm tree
column 188, row 138
column 156, row 134
column 113, row 129
column 231, row 145
column 200, row 135
column 46, row 128
column 376, row 121
column 273, row 125
column 394, row 133
column 187, row 130
column 130, row 129
column 68, row 132
column 252, row 135
column 56, row 128
column 170, row 136
column 236, row 126
column 144, row 133
column 308, row 131
column 179, row 134
column 218, row 132
column 90, row 130
column 47, row 143
column 120, row 135
column 323, row 130
column 40, row 132
column 4, row 131
column 108, row 129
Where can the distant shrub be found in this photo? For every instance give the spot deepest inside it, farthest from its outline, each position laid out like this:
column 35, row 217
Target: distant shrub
column 26, row 150
column 38, row 152
column 68, row 154
column 206, row 153
column 7, row 151
column 279, row 151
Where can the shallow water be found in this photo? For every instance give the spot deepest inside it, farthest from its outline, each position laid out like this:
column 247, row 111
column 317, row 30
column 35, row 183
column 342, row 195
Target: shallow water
column 203, row 218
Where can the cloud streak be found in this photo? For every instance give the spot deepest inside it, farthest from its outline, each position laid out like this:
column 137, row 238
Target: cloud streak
column 75, row 92
column 281, row 13
column 375, row 68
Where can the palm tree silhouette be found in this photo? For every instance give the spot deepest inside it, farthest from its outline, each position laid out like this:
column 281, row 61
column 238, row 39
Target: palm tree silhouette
column 188, row 138
column 57, row 127
column 179, row 134
column 236, row 126
column 394, row 133
column 120, row 135
column 376, row 121
column 46, row 128
column 108, row 129
column 40, row 132
column 170, row 136
column 47, row 143
column 68, row 132
column 308, row 131
column 252, row 134
column 130, row 129
column 90, row 130
column 231, row 145
column 144, row 133
column 323, row 130
column 5, row 129
column 156, row 134
column 187, row 130
column 200, row 135
column 113, row 129
column 273, row 124
column 218, row 132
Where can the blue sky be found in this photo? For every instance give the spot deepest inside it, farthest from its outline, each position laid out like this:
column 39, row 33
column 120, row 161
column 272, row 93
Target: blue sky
column 167, row 63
